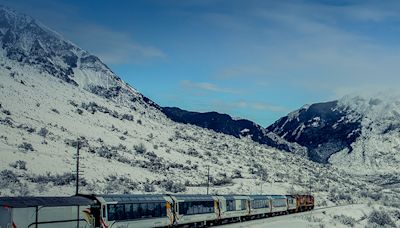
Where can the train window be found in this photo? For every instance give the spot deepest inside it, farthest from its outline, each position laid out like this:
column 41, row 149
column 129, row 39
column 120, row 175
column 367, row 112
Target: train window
column 259, row 204
column 120, row 212
column 198, row 207
column 278, row 203
column 243, row 204
column 111, row 212
column 230, row 205
column 129, row 211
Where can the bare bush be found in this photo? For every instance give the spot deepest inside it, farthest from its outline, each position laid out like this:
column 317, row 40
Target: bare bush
column 7, row 177
column 19, row 165
column 171, row 186
column 147, row 187
column 43, row 132
column 346, row 220
column 56, row 179
column 140, row 149
column 26, row 146
column 55, row 111
column 381, row 218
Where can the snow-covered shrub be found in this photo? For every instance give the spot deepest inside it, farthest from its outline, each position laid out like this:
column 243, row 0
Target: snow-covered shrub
column 128, row 117
column 55, row 111
column 56, row 179
column 79, row 111
column 336, row 196
column 381, row 218
column 73, row 103
column 151, row 155
column 155, row 146
column 237, row 173
column 171, row 186
column 19, row 165
column 5, row 111
column 27, row 128
column 104, row 151
column 140, row 149
column 148, row 187
column 120, row 184
column 123, row 159
column 43, row 132
column 26, row 146
column 7, row 177
column 221, row 179
column 346, row 220
column 371, row 194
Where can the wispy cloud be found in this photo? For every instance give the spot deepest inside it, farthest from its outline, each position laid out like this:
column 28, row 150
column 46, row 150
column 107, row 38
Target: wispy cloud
column 240, row 72
column 112, row 46
column 252, row 105
column 206, row 86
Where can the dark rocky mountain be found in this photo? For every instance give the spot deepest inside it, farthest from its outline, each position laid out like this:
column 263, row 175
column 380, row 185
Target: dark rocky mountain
column 224, row 123
column 323, row 128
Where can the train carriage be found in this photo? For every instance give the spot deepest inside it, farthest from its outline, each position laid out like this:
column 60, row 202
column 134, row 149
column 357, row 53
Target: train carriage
column 260, row 205
column 233, row 207
column 44, row 212
column 292, row 204
column 279, row 204
column 195, row 210
column 133, row 211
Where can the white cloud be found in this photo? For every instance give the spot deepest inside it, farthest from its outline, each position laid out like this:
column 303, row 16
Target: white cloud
column 113, row 46
column 253, row 105
column 206, row 86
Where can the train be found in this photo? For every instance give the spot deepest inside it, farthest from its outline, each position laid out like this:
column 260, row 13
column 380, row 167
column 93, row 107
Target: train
column 145, row 210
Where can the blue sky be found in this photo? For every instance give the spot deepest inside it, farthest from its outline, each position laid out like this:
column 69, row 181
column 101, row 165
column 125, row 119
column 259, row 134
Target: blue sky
column 252, row 59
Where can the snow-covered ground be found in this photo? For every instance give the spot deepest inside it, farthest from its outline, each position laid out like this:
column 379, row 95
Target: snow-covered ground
column 357, row 215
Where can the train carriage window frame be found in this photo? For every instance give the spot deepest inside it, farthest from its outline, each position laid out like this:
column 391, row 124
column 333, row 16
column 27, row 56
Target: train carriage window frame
column 196, row 207
column 136, row 211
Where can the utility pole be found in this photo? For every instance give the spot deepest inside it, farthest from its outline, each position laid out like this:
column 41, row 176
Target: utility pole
column 77, row 180
column 77, row 168
column 208, row 178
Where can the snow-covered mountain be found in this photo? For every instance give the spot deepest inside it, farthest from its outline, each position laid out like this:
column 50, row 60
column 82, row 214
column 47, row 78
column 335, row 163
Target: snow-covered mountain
column 54, row 94
column 224, row 123
column 360, row 134
column 322, row 128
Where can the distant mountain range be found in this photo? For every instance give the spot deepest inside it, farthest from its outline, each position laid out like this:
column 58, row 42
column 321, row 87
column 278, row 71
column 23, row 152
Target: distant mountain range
column 224, row 123
column 344, row 132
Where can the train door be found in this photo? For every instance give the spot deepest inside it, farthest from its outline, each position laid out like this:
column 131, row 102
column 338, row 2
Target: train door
column 5, row 217
column 95, row 210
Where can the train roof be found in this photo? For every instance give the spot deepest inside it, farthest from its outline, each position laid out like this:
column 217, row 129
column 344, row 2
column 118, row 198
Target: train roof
column 259, row 197
column 198, row 197
column 127, row 198
column 22, row 202
column 278, row 196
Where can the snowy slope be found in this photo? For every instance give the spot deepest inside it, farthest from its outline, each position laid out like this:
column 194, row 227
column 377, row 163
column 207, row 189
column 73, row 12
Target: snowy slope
column 376, row 150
